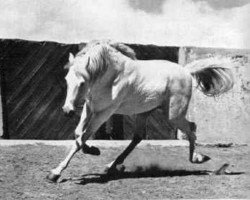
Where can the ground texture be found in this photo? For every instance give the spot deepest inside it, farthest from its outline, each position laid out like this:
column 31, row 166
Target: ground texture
column 152, row 172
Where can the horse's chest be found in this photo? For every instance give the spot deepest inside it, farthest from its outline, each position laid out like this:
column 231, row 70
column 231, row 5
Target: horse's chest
column 99, row 99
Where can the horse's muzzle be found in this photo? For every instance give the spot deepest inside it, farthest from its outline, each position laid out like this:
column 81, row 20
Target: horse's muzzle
column 68, row 109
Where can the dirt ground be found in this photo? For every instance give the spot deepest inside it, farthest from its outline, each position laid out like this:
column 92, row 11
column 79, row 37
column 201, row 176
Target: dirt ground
column 152, row 172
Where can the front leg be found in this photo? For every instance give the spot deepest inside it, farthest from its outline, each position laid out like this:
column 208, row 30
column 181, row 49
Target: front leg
column 95, row 122
column 84, row 120
column 85, row 117
column 90, row 125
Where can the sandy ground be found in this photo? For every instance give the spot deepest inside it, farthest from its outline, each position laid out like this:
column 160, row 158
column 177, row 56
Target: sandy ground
column 98, row 143
column 152, row 172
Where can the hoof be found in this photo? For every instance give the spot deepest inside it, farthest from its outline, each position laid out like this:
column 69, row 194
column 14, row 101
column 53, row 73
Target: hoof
column 114, row 170
column 200, row 158
column 206, row 158
column 222, row 170
column 52, row 177
column 91, row 150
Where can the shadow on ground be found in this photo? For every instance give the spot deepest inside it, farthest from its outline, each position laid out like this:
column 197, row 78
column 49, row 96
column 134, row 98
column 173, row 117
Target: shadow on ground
column 139, row 172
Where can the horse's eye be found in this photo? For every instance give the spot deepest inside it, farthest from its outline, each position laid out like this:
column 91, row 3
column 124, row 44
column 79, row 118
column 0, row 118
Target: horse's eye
column 81, row 84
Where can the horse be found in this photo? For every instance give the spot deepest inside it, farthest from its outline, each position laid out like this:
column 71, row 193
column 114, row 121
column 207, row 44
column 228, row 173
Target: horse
column 111, row 80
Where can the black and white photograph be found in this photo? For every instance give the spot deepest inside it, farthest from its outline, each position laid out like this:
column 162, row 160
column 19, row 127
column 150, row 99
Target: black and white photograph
column 124, row 99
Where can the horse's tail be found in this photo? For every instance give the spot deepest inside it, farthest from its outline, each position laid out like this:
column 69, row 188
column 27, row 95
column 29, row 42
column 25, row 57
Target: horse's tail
column 213, row 75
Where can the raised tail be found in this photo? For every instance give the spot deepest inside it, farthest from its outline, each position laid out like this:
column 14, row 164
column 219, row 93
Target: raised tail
column 213, row 75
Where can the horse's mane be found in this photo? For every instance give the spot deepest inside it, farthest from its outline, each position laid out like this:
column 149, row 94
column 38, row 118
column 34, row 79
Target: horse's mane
column 124, row 49
column 98, row 51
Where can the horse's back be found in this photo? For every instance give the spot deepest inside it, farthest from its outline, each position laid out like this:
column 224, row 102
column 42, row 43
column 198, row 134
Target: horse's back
column 164, row 74
column 178, row 83
column 150, row 83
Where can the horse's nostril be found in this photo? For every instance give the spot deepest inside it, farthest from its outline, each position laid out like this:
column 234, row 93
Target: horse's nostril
column 68, row 110
column 69, row 113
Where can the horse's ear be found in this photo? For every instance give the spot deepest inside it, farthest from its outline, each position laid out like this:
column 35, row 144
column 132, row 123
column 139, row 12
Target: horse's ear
column 71, row 58
column 71, row 61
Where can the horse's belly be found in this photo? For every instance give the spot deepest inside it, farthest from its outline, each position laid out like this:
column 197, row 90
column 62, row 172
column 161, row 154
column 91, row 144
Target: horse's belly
column 138, row 105
column 133, row 109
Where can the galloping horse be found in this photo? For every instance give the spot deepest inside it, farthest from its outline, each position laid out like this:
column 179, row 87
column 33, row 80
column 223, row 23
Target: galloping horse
column 111, row 80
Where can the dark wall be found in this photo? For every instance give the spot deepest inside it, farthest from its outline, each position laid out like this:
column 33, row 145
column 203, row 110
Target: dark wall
column 153, row 52
column 33, row 89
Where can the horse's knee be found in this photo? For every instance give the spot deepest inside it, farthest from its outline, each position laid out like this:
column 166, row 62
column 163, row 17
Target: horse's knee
column 77, row 133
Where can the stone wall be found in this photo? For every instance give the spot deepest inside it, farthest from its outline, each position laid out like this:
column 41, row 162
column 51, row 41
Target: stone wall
column 227, row 117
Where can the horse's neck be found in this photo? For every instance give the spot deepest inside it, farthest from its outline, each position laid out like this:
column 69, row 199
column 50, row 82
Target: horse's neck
column 116, row 64
column 117, row 61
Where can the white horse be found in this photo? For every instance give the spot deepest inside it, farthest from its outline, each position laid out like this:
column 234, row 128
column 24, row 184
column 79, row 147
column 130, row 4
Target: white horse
column 111, row 80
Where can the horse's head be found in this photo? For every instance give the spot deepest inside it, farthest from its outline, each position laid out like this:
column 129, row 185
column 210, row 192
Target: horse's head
column 90, row 64
column 75, row 80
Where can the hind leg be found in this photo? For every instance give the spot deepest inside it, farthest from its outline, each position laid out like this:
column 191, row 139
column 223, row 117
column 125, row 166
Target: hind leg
column 189, row 128
column 138, row 136
column 175, row 109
